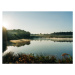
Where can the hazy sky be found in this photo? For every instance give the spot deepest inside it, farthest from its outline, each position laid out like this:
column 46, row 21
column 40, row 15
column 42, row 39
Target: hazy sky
column 39, row 22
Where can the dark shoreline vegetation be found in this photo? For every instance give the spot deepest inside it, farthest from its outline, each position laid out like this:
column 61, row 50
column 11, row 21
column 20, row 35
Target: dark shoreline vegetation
column 9, row 35
column 21, row 34
column 53, row 35
column 10, row 58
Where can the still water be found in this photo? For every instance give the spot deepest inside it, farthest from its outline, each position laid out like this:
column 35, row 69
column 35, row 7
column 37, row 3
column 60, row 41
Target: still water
column 44, row 47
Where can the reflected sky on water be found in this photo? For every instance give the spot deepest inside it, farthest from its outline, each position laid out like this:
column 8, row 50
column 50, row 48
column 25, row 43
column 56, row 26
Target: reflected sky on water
column 44, row 47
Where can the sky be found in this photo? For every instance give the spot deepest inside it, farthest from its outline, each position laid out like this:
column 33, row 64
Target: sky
column 39, row 21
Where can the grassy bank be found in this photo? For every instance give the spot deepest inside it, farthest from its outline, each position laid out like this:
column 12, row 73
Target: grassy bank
column 10, row 58
column 20, row 42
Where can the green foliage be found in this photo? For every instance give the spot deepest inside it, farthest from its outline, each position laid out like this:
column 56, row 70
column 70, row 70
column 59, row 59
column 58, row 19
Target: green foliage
column 17, row 34
column 62, row 33
column 54, row 35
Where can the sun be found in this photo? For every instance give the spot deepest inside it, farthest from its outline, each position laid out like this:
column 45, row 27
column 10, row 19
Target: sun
column 5, row 24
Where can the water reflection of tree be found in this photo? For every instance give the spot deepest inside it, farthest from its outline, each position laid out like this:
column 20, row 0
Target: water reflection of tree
column 62, row 41
column 4, row 46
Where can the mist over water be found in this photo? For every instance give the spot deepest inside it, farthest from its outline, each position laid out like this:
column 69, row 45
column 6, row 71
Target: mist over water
column 42, row 47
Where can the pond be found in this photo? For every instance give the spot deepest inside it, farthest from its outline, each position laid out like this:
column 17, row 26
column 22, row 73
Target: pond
column 41, row 47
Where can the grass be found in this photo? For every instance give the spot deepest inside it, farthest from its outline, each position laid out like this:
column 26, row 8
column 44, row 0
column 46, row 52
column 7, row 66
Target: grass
column 19, row 40
column 10, row 58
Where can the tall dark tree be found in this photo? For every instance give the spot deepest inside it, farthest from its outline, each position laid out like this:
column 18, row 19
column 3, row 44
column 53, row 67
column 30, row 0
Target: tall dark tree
column 4, row 38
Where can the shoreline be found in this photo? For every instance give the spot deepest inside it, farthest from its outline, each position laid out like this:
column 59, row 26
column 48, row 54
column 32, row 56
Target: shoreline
column 62, row 38
column 19, row 40
column 53, row 39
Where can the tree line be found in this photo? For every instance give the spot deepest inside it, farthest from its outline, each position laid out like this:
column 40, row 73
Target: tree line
column 62, row 33
column 54, row 35
column 15, row 34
